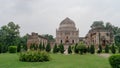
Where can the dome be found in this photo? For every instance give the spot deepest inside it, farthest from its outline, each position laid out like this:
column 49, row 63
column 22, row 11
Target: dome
column 67, row 21
column 67, row 24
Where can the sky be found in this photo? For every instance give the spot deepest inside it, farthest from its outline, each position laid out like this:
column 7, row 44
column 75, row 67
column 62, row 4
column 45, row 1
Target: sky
column 44, row 16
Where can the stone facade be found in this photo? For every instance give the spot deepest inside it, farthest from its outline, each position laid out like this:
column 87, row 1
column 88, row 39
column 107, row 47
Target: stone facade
column 34, row 38
column 67, row 32
column 99, row 36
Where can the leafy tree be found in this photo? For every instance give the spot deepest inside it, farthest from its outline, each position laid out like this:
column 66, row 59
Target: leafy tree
column 113, row 49
column 75, row 48
column 9, row 35
column 69, row 50
column 49, row 37
column 61, row 48
column 48, row 48
column 23, row 41
column 119, row 49
column 117, row 40
column 97, row 24
column 106, row 49
column 92, row 49
column 55, row 48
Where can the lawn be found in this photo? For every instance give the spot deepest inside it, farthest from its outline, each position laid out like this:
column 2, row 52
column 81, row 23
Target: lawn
column 58, row 61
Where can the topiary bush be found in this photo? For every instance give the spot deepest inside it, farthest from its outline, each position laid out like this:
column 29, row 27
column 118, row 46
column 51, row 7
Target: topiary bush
column 69, row 50
column 12, row 49
column 82, row 48
column 92, row 49
column 114, row 61
column 34, row 56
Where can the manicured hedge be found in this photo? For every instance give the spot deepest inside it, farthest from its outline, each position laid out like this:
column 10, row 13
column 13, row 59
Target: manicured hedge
column 114, row 61
column 12, row 49
column 34, row 56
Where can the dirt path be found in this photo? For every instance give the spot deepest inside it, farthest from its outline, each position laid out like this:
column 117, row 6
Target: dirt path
column 104, row 55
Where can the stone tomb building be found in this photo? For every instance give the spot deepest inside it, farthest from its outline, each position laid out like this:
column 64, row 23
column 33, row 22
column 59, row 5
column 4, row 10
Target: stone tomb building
column 67, row 33
column 34, row 38
column 99, row 36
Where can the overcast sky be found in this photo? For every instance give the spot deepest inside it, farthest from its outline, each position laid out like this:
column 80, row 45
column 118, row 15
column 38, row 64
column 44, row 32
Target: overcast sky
column 44, row 16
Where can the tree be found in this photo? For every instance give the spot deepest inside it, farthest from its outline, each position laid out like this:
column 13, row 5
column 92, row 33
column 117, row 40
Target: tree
column 75, row 48
column 97, row 24
column 117, row 39
column 99, row 49
column 9, row 35
column 106, row 49
column 49, row 37
column 40, row 46
column 61, row 48
column 0, row 48
column 119, row 49
column 113, row 50
column 18, row 48
column 92, row 49
column 88, row 49
column 43, row 47
column 55, row 48
column 69, row 50
column 48, row 48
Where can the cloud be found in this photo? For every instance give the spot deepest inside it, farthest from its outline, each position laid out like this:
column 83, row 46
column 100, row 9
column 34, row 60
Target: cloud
column 44, row 16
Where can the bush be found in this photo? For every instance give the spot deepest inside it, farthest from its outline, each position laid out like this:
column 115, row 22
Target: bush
column 92, row 49
column 99, row 49
column 75, row 48
column 48, row 48
column 55, row 49
column 61, row 48
column 0, row 48
column 34, row 56
column 88, row 49
column 40, row 46
column 106, row 49
column 118, row 49
column 114, row 61
column 12, row 49
column 69, row 50
column 82, row 48
column 113, row 49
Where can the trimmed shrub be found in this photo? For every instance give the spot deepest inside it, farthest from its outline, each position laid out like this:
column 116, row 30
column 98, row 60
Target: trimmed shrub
column 55, row 49
column 88, row 49
column 61, row 48
column 0, row 48
column 75, row 49
column 48, row 48
column 82, row 49
column 114, row 61
column 113, row 49
column 69, row 50
column 40, row 46
column 106, row 49
column 34, row 56
column 12, row 49
column 43, row 47
column 92, row 49
column 19, row 48
column 118, row 49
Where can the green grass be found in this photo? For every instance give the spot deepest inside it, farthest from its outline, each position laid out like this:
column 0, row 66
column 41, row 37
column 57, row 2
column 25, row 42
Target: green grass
column 58, row 61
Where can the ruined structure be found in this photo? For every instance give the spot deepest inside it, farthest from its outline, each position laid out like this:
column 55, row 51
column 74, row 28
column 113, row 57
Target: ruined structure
column 34, row 38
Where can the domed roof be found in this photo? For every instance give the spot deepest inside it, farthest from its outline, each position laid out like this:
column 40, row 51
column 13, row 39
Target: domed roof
column 67, row 21
column 67, row 24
